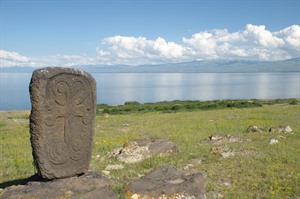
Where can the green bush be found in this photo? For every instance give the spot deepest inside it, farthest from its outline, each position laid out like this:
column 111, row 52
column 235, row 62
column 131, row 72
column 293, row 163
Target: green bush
column 132, row 103
column 293, row 102
column 174, row 106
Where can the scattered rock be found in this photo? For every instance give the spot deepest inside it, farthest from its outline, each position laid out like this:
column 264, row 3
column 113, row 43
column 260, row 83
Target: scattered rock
column 250, row 152
column 280, row 129
column 255, row 129
column 98, row 158
column 288, row 129
column 197, row 161
column 221, row 138
column 227, row 183
column 115, row 152
column 273, row 141
column 89, row 185
column 233, row 138
column 281, row 137
column 138, row 150
column 217, row 150
column 216, row 194
column 167, row 182
column 105, row 172
column 106, row 115
column 190, row 167
column 216, row 137
column 225, row 152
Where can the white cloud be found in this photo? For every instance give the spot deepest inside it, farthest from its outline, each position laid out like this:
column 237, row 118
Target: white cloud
column 261, row 36
column 253, row 43
column 291, row 37
column 138, row 50
column 8, row 59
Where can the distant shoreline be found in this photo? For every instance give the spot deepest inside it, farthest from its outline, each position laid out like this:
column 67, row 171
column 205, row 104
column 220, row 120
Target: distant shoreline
column 169, row 72
column 181, row 105
column 203, row 66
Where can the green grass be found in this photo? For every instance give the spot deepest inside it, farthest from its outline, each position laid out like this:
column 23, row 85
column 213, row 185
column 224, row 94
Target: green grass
column 15, row 149
column 175, row 106
column 269, row 171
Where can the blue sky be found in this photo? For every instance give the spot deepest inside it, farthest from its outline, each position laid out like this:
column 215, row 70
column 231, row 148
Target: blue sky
column 64, row 32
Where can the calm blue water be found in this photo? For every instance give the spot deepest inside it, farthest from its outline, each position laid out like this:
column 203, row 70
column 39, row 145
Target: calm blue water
column 117, row 88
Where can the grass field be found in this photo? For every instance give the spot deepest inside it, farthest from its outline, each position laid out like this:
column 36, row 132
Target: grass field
column 263, row 171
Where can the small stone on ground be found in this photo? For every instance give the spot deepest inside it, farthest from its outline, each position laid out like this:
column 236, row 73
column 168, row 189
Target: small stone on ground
column 167, row 182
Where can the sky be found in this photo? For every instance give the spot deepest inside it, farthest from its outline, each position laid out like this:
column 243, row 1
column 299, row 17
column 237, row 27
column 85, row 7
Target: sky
column 67, row 33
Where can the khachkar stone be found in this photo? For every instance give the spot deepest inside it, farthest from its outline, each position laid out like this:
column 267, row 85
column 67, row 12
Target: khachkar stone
column 62, row 121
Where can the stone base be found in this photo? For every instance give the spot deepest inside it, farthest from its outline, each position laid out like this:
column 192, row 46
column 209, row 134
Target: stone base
column 167, row 182
column 89, row 185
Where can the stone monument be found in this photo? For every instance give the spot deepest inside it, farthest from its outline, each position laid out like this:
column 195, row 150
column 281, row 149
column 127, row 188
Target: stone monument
column 62, row 121
column 61, row 128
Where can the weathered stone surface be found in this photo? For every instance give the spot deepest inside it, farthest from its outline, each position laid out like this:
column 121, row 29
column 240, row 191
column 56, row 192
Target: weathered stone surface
column 190, row 167
column 138, row 150
column 227, row 152
column 273, row 141
column 167, row 182
column 87, row 186
column 254, row 129
column 62, row 121
column 222, row 138
column 280, row 129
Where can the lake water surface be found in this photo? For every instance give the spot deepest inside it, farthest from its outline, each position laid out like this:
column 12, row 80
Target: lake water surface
column 117, row 88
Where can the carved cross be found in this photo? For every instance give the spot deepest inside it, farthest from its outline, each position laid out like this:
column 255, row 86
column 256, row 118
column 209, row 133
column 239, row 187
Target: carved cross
column 68, row 103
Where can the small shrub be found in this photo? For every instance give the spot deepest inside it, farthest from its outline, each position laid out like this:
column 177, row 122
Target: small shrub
column 161, row 108
column 190, row 106
column 132, row 103
column 106, row 111
column 128, row 109
column 176, row 107
column 293, row 102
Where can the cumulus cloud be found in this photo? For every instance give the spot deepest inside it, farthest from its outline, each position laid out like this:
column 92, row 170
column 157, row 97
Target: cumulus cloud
column 291, row 37
column 254, row 42
column 262, row 37
column 8, row 59
column 138, row 50
column 11, row 59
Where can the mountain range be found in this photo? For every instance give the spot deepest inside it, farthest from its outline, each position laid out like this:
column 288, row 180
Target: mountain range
column 202, row 66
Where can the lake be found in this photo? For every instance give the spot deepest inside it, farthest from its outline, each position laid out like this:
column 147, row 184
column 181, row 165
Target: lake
column 118, row 88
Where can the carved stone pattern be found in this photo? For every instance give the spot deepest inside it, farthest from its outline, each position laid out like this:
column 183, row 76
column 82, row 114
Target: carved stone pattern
column 67, row 119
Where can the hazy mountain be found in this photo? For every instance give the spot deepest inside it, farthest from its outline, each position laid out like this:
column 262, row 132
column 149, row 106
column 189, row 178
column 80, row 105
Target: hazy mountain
column 204, row 66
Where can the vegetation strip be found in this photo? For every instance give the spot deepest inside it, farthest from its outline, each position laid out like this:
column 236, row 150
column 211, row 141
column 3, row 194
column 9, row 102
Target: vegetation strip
column 175, row 106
